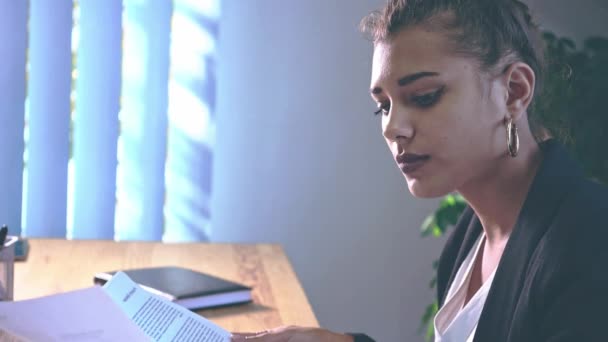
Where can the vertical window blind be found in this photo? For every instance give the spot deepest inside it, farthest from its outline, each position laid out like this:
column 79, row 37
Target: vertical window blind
column 108, row 118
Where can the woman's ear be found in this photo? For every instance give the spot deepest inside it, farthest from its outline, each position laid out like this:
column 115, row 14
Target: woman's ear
column 520, row 81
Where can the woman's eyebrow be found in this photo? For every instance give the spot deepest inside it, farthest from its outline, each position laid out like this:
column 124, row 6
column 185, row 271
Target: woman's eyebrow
column 405, row 80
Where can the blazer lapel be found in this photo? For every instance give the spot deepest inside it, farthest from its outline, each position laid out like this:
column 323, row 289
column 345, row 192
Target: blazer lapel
column 467, row 230
column 556, row 175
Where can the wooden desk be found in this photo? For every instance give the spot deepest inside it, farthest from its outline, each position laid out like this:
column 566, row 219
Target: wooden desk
column 55, row 266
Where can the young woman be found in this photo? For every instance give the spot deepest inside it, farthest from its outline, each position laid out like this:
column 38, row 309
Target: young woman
column 454, row 81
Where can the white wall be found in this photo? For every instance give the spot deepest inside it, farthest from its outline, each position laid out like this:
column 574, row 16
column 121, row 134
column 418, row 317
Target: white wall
column 300, row 160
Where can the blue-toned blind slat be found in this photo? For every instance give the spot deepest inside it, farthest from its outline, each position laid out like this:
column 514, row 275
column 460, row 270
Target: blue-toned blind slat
column 95, row 122
column 49, row 87
column 191, row 126
column 13, row 25
column 143, row 117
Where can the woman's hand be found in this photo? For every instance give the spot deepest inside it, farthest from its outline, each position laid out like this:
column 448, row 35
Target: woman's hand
column 292, row 334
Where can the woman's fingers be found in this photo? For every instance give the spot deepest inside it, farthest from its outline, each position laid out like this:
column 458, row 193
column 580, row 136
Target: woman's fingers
column 240, row 337
column 272, row 335
column 262, row 336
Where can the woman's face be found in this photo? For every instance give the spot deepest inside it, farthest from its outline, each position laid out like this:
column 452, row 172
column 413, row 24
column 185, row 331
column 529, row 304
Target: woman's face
column 442, row 119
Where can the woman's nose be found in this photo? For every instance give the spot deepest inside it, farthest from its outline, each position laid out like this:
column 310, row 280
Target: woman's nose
column 398, row 126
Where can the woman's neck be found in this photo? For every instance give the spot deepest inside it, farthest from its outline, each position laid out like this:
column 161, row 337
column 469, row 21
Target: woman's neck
column 498, row 197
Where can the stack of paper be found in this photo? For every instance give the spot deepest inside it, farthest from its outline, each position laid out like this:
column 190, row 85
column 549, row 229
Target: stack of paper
column 120, row 311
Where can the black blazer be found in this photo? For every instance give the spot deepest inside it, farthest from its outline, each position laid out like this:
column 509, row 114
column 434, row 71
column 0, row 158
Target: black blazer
column 551, row 283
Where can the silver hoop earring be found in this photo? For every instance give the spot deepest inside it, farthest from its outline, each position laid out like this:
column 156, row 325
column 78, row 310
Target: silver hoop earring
column 512, row 138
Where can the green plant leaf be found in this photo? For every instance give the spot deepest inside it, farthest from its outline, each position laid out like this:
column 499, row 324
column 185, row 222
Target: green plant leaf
column 430, row 332
column 427, row 321
column 428, row 226
column 427, row 318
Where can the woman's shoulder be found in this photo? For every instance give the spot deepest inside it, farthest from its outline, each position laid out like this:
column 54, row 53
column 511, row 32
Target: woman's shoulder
column 574, row 216
column 566, row 280
column 585, row 210
column 578, row 233
column 593, row 191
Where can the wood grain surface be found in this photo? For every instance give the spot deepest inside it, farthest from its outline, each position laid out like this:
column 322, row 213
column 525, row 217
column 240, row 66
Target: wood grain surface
column 55, row 266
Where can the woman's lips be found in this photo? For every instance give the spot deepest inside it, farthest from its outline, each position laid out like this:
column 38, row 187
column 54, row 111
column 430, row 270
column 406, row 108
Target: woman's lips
column 410, row 162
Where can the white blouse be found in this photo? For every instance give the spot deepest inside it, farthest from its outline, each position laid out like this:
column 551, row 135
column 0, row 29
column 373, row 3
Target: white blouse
column 453, row 322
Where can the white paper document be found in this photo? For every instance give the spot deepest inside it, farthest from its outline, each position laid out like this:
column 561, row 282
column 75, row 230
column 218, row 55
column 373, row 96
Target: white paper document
column 120, row 311
column 159, row 318
column 82, row 315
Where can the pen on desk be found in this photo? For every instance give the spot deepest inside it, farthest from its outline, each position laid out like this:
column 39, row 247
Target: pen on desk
column 3, row 232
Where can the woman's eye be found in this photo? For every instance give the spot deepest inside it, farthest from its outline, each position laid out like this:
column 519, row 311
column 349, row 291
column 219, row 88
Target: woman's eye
column 382, row 109
column 427, row 99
